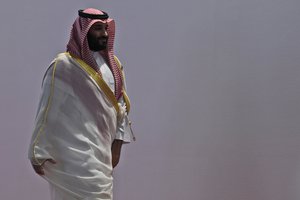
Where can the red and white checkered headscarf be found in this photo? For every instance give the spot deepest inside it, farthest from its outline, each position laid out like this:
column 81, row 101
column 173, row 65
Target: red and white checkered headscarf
column 78, row 45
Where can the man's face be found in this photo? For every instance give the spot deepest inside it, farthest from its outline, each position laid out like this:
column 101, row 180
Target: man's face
column 97, row 36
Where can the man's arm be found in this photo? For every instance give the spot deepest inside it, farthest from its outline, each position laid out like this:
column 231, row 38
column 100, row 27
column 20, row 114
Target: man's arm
column 39, row 168
column 116, row 152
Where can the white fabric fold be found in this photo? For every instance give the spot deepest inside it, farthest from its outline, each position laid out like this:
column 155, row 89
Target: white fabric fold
column 75, row 126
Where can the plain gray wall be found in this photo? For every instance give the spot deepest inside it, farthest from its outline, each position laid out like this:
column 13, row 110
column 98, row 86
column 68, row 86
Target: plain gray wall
column 215, row 93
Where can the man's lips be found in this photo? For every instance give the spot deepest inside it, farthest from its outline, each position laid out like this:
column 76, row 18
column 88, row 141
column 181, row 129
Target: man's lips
column 103, row 39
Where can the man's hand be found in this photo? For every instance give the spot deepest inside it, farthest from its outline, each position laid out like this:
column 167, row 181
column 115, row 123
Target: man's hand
column 116, row 152
column 39, row 168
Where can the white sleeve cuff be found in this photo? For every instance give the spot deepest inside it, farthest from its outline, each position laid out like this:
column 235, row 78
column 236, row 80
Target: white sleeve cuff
column 124, row 131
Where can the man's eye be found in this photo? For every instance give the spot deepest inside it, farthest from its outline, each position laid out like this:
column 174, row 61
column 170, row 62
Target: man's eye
column 98, row 28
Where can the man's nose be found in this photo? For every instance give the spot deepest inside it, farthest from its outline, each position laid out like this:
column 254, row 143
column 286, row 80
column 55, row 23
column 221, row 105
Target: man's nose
column 104, row 33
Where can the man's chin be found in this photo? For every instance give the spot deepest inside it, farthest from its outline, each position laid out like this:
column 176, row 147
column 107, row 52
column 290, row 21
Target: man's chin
column 102, row 48
column 99, row 48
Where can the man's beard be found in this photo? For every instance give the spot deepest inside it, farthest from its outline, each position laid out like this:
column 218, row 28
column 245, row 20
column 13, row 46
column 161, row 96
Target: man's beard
column 95, row 43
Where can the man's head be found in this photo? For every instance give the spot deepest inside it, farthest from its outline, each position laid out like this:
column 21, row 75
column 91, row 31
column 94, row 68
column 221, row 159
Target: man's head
column 94, row 30
column 97, row 36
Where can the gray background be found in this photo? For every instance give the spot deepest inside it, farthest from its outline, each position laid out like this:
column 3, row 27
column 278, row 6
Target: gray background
column 214, row 86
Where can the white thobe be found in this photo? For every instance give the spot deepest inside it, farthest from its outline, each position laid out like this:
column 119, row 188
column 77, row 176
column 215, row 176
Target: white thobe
column 76, row 124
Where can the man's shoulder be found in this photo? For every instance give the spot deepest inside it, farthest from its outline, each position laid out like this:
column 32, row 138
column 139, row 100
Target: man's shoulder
column 63, row 61
column 63, row 57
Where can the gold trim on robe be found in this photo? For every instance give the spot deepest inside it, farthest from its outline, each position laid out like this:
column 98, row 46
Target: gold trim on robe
column 44, row 121
column 98, row 79
column 125, row 96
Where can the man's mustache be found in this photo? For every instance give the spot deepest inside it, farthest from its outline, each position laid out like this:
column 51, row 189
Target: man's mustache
column 102, row 38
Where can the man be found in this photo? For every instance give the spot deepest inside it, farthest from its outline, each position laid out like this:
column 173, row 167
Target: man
column 82, row 119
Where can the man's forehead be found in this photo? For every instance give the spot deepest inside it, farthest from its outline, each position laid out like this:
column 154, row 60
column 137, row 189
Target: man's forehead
column 100, row 23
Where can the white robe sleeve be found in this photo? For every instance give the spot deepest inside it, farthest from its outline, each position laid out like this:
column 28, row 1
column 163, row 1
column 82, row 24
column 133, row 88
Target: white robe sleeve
column 38, row 153
column 123, row 130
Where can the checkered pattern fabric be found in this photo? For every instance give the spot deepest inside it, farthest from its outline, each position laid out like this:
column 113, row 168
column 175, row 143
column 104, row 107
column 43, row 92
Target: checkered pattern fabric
column 78, row 46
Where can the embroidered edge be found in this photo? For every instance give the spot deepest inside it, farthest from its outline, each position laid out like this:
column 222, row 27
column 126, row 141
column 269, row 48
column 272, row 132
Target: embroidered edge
column 100, row 82
column 44, row 121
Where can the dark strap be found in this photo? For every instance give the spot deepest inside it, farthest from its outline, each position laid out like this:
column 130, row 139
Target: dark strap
column 92, row 16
